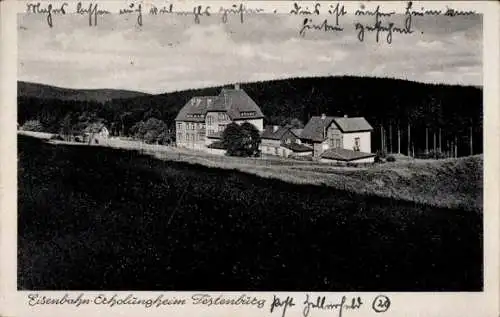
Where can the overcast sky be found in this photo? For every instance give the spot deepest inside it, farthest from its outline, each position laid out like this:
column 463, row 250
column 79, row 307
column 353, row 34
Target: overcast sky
column 171, row 53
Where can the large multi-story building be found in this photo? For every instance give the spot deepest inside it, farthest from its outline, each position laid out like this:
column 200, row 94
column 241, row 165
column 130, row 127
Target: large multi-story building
column 203, row 119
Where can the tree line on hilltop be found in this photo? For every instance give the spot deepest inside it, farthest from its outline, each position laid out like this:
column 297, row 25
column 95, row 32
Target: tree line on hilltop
column 407, row 117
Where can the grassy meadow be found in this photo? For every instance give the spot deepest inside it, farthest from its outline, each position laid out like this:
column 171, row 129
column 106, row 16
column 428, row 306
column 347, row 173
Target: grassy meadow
column 112, row 219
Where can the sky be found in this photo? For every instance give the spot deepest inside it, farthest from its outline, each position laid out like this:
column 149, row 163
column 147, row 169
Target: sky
column 170, row 52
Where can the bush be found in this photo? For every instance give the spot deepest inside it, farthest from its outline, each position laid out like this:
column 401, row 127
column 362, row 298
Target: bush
column 241, row 140
column 379, row 159
column 152, row 131
column 32, row 125
column 57, row 137
column 436, row 154
column 431, row 155
column 391, row 159
column 381, row 154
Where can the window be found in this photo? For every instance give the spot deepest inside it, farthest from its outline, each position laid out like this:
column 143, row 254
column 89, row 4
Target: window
column 222, row 116
column 276, row 150
column 210, row 120
column 247, row 113
column 337, row 143
column 356, row 144
column 179, row 125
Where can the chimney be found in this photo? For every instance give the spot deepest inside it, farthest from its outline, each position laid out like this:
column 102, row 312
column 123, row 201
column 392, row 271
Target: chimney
column 236, row 86
column 323, row 116
column 275, row 128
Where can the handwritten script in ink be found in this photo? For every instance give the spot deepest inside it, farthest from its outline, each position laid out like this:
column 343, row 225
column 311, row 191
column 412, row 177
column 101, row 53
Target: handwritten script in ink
column 376, row 23
column 381, row 24
column 305, row 305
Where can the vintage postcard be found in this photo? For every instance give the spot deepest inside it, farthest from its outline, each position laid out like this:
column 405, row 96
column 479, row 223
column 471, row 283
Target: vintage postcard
column 260, row 158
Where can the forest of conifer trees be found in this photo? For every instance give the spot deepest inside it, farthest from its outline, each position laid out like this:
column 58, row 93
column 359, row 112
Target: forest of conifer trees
column 416, row 119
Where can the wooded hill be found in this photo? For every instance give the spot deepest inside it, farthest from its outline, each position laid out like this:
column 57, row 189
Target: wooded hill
column 36, row 90
column 439, row 116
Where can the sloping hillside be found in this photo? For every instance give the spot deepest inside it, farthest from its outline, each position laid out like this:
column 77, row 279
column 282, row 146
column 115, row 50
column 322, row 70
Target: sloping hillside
column 108, row 219
column 34, row 90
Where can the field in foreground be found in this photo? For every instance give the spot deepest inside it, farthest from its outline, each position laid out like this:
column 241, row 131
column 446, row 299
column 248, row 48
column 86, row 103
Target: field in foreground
column 448, row 183
column 101, row 218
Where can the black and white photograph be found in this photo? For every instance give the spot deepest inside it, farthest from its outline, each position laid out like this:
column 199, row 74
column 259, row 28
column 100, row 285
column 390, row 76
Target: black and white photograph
column 235, row 147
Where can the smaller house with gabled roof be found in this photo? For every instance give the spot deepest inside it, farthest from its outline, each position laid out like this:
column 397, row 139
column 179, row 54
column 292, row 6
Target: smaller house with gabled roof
column 283, row 141
column 342, row 139
column 95, row 133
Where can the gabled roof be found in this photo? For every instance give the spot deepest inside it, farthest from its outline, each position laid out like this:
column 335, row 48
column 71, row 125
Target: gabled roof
column 297, row 132
column 195, row 109
column 270, row 134
column 235, row 102
column 315, row 128
column 345, row 155
column 238, row 105
column 357, row 124
column 295, row 147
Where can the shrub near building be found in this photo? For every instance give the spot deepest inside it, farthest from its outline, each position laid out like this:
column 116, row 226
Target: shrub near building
column 241, row 140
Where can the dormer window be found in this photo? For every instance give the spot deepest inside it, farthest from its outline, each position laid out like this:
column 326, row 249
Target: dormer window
column 247, row 113
column 194, row 115
column 222, row 116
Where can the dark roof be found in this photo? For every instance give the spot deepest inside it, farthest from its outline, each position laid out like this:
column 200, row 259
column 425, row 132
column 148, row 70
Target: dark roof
column 270, row 134
column 195, row 109
column 357, row 124
column 295, row 147
column 297, row 132
column 346, row 155
column 217, row 145
column 235, row 102
column 314, row 129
